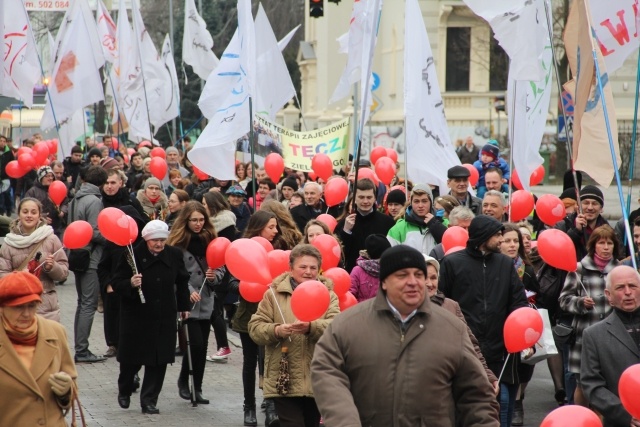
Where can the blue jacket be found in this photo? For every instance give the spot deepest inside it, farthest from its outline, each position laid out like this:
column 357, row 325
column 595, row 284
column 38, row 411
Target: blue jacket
column 482, row 169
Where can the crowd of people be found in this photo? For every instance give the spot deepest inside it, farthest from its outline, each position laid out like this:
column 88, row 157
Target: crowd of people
column 424, row 344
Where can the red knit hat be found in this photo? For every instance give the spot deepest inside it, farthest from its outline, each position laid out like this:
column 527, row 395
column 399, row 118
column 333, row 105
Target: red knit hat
column 18, row 288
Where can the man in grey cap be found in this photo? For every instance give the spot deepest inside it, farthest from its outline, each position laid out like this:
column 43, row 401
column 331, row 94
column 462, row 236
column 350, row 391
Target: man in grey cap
column 458, row 183
column 366, row 367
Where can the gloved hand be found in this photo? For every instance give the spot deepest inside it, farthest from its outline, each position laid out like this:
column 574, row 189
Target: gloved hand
column 60, row 383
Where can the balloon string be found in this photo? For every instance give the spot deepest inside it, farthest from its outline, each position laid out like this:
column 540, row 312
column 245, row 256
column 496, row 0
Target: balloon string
column 42, row 263
column 585, row 289
column 135, row 267
column 279, row 309
column 503, row 367
column 199, row 293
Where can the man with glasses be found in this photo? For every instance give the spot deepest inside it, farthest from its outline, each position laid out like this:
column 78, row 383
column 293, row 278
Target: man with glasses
column 487, row 287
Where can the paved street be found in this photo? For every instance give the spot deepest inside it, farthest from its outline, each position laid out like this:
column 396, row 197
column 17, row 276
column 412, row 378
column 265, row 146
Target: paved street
column 222, row 385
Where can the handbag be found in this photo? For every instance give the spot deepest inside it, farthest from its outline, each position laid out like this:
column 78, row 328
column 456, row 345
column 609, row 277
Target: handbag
column 74, row 402
column 545, row 347
column 564, row 334
column 79, row 260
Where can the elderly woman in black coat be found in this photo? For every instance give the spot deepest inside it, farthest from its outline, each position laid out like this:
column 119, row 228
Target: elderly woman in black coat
column 148, row 329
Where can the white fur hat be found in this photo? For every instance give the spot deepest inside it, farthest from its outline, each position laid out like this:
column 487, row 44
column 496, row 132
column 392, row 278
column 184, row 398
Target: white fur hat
column 155, row 229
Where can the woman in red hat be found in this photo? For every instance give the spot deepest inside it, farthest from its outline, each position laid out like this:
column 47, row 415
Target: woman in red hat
column 37, row 373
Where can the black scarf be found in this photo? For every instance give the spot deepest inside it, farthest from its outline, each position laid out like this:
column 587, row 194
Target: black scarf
column 197, row 246
column 631, row 322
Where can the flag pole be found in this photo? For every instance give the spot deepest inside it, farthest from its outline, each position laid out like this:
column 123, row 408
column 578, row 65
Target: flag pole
column 251, row 148
column 634, row 136
column 625, row 215
column 365, row 88
column 511, row 131
column 304, row 122
column 564, row 113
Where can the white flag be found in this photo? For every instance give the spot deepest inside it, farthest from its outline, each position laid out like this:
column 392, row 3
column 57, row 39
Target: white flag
column 274, row 85
column 228, row 114
column 2, row 46
column 616, row 28
column 21, row 68
column 282, row 44
column 247, row 33
column 75, row 81
column 517, row 26
column 70, row 132
column 429, row 150
column 528, row 106
column 169, row 108
column 197, row 42
column 363, row 34
column 107, row 33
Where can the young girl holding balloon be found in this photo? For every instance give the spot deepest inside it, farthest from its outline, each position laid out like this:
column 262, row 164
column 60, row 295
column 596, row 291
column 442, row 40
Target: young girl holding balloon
column 32, row 245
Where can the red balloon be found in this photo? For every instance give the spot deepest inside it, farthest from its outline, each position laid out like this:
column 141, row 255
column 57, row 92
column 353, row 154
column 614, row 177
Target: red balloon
column 14, row 170
column 133, row 229
column 330, row 250
column 247, row 260
column 522, row 329
column 454, row 236
column 27, row 161
column 385, row 170
column 53, row 146
column 328, row 220
column 23, row 150
column 628, row 387
column 57, row 192
column 392, row 154
column 475, row 175
column 322, row 166
column 522, row 204
column 515, row 180
column 376, row 154
column 369, row 174
column 340, row 278
column 130, row 151
column 114, row 226
column 274, row 166
column 335, row 191
column 278, row 262
column 252, row 292
column 312, row 176
column 556, row 249
column 310, row 300
column 264, row 243
column 115, row 143
column 158, row 152
column 200, row 174
column 571, row 415
column 77, row 235
column 550, row 209
column 454, row 249
column 215, row 252
column 347, row 301
column 41, row 151
column 145, row 144
column 537, row 176
column 158, row 167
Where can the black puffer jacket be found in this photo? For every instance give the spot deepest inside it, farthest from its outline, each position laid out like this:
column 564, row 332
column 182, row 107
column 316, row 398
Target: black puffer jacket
column 488, row 289
column 372, row 223
column 579, row 238
column 121, row 198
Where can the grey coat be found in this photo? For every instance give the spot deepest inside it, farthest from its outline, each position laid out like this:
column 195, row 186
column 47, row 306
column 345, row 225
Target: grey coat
column 86, row 206
column 607, row 350
column 197, row 270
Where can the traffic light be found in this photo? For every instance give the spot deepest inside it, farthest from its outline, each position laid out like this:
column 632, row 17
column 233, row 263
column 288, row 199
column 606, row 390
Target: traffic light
column 316, row 8
column 498, row 104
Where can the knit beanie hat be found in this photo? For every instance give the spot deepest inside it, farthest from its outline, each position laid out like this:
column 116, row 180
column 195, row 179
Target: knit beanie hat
column 172, row 150
column 399, row 257
column 155, row 229
column 423, row 188
column 432, row 261
column 491, row 150
column 94, row 152
column 109, row 163
column 376, row 244
column 291, row 183
column 482, row 228
column 44, row 171
column 592, row 192
column 396, row 196
column 569, row 193
column 236, row 190
column 152, row 181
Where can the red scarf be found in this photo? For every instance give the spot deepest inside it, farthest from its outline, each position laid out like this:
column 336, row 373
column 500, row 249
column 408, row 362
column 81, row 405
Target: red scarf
column 27, row 336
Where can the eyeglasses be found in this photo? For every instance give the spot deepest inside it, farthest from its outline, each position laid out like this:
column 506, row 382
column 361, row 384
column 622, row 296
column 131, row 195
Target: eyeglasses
column 196, row 220
column 153, row 188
